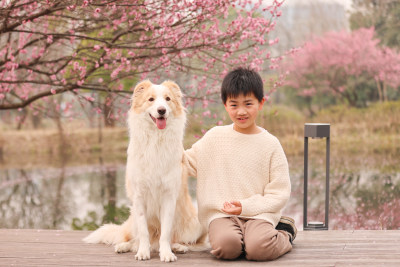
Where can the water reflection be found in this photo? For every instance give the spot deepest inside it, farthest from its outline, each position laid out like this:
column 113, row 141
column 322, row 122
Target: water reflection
column 84, row 197
column 51, row 198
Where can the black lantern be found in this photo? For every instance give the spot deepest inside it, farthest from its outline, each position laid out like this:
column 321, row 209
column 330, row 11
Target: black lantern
column 316, row 130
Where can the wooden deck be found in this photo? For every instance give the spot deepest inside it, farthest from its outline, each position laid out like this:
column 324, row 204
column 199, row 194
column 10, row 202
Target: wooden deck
column 312, row 248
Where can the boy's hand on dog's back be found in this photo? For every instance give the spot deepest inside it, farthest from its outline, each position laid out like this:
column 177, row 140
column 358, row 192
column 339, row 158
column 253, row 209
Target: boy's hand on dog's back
column 233, row 208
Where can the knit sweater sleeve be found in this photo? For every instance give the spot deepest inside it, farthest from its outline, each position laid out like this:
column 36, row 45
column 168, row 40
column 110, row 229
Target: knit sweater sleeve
column 192, row 155
column 277, row 191
column 190, row 160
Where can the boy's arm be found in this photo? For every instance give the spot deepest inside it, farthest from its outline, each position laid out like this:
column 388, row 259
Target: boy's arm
column 276, row 192
column 190, row 161
column 191, row 156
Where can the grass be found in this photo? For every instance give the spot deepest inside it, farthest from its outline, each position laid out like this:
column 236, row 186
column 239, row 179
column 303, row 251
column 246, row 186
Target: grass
column 374, row 129
column 355, row 133
column 43, row 147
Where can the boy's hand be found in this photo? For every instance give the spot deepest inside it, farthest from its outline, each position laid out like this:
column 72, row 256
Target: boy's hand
column 233, row 207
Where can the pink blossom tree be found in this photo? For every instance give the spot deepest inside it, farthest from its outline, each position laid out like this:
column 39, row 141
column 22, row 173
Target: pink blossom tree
column 340, row 64
column 85, row 47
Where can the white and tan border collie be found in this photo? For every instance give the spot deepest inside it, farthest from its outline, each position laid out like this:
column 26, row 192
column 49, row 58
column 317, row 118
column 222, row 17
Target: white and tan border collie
column 156, row 179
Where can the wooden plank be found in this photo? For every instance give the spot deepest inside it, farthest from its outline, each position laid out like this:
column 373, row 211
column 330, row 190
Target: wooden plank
column 23, row 247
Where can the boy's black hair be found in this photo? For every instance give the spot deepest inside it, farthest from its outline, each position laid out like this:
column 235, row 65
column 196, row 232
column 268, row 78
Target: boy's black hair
column 242, row 81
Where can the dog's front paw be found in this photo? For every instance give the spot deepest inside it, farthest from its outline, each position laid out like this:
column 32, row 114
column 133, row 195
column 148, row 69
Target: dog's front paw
column 167, row 256
column 143, row 254
column 178, row 248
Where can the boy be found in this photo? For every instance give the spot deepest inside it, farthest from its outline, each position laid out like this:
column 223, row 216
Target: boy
column 243, row 179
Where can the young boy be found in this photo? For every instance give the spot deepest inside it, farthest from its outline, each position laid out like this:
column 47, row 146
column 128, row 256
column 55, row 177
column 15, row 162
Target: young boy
column 243, row 178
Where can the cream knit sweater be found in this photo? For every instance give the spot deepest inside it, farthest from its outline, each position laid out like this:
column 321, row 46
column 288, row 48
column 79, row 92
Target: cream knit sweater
column 229, row 166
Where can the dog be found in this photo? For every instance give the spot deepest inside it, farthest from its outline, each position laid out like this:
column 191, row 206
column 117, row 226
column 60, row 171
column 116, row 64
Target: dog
column 156, row 178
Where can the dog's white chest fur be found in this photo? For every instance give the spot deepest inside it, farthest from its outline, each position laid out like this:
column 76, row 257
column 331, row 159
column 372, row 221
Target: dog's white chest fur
column 155, row 154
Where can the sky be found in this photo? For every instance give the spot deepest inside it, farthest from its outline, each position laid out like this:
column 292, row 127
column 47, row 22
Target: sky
column 346, row 3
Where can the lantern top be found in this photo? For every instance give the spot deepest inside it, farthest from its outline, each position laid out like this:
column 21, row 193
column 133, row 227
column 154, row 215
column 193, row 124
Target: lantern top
column 317, row 130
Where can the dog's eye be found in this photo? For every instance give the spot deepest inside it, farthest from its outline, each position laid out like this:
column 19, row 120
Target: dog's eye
column 167, row 98
column 151, row 99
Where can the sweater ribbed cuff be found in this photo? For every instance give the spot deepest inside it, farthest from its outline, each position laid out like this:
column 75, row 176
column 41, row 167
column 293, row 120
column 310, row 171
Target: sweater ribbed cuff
column 246, row 210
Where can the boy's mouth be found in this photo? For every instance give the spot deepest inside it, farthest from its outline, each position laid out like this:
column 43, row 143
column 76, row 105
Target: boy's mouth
column 242, row 119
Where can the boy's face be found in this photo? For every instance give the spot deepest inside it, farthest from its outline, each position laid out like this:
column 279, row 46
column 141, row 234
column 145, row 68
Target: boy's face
column 243, row 112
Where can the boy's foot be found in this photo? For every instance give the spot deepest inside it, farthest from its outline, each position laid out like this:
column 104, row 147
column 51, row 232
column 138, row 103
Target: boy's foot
column 287, row 224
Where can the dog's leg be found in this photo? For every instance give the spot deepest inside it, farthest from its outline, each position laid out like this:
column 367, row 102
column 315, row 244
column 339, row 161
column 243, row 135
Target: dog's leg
column 123, row 247
column 143, row 252
column 167, row 218
column 179, row 248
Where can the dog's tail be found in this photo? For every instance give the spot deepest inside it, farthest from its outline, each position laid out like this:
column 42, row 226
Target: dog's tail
column 111, row 234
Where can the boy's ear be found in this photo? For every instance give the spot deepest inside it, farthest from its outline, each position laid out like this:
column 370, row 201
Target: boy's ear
column 262, row 103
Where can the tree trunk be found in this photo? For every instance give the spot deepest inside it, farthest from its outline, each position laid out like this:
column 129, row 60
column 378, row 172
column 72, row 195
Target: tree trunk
column 385, row 92
column 36, row 121
column 22, row 120
column 309, row 107
column 111, row 187
column 108, row 109
column 1, row 150
column 378, row 84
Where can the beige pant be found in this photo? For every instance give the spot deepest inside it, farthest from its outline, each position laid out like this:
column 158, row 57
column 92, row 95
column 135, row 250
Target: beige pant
column 258, row 239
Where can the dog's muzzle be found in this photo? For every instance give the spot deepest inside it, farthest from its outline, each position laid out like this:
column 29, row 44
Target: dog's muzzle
column 161, row 121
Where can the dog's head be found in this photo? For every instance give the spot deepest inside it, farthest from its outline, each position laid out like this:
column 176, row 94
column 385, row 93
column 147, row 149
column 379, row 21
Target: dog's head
column 156, row 102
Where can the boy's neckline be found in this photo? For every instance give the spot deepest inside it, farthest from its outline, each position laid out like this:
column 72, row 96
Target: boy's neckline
column 233, row 129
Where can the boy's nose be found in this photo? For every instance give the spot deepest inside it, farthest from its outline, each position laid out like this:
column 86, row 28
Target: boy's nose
column 242, row 112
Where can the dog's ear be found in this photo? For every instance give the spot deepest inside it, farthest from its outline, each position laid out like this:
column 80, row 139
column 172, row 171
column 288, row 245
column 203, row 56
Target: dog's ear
column 138, row 91
column 141, row 87
column 177, row 96
column 175, row 89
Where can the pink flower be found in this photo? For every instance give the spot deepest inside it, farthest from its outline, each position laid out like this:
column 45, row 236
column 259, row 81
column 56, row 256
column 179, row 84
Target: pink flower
column 207, row 113
column 205, row 103
column 89, row 98
column 96, row 13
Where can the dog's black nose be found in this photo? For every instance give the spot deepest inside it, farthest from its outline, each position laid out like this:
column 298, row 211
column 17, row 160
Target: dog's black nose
column 161, row 110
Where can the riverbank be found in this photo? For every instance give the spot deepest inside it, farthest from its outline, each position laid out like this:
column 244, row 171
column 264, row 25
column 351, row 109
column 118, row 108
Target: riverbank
column 369, row 132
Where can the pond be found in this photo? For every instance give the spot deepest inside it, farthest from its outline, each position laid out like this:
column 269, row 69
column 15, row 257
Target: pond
column 85, row 196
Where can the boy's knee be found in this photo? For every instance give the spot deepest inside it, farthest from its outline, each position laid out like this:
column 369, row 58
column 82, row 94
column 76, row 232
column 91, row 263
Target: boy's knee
column 226, row 247
column 259, row 250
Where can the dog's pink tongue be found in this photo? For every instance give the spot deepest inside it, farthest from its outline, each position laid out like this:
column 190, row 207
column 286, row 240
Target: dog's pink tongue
column 161, row 123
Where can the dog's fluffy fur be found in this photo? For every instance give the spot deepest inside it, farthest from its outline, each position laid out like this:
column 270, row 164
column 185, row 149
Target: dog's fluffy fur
column 156, row 179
